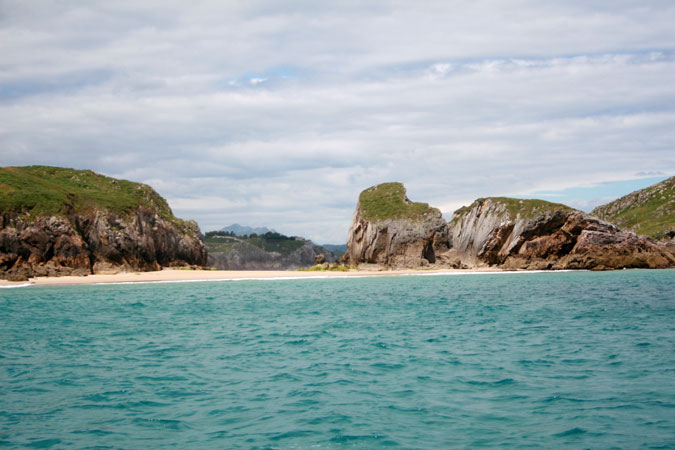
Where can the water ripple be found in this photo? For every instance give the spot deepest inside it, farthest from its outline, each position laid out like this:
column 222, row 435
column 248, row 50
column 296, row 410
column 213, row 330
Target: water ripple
column 564, row 360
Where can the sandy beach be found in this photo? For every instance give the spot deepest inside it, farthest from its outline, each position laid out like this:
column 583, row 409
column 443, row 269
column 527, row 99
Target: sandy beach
column 178, row 275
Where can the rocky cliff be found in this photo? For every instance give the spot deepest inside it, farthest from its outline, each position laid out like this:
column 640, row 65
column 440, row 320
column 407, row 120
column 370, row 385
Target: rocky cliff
column 56, row 221
column 501, row 232
column 533, row 234
column 649, row 211
column 390, row 230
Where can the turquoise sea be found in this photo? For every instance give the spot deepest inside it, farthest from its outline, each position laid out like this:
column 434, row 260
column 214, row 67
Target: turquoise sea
column 527, row 360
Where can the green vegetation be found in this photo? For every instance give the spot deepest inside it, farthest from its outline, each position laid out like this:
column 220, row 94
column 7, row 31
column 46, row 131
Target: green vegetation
column 279, row 243
column 218, row 244
column 57, row 191
column 527, row 209
column 337, row 250
column 649, row 212
column 389, row 201
column 220, row 233
column 43, row 190
column 222, row 242
column 326, row 268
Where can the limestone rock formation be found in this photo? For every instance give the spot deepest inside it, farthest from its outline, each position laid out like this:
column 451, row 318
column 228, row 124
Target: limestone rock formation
column 532, row 234
column 68, row 222
column 389, row 230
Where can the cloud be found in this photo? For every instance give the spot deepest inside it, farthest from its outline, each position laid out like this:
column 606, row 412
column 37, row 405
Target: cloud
column 278, row 115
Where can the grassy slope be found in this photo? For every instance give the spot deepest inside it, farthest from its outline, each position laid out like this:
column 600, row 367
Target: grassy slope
column 56, row 191
column 388, row 201
column 527, row 209
column 650, row 211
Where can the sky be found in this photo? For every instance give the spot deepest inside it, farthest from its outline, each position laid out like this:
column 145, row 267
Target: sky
column 279, row 113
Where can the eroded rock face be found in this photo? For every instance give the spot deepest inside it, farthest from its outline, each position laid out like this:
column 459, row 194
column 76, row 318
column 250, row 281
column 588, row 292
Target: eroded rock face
column 396, row 243
column 502, row 232
column 487, row 235
column 99, row 241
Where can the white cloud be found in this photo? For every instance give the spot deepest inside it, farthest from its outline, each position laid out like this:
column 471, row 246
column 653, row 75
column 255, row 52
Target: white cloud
column 456, row 100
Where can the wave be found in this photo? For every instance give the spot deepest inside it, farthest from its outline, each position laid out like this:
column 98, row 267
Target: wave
column 11, row 286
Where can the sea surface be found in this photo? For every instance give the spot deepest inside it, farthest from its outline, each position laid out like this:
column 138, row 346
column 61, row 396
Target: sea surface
column 527, row 360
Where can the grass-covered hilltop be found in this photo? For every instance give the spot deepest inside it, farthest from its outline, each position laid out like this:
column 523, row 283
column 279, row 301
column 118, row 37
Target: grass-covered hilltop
column 61, row 221
column 389, row 201
column 649, row 211
column 516, row 208
column 34, row 191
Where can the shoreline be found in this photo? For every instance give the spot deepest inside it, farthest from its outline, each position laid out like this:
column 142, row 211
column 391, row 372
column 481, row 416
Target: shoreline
column 170, row 275
column 178, row 275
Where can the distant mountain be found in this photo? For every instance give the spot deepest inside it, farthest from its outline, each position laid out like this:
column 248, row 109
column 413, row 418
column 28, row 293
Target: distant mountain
column 649, row 211
column 242, row 230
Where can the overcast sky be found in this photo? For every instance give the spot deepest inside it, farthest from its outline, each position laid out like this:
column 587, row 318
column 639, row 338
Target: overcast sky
column 278, row 113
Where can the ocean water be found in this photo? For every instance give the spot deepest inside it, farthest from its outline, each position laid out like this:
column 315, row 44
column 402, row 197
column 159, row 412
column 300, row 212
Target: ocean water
column 528, row 360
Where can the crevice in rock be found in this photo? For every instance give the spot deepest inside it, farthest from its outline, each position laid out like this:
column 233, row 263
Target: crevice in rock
column 428, row 251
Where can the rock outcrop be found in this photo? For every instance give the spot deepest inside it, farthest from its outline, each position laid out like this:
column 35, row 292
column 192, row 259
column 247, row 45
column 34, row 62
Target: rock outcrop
column 390, row 230
column 79, row 235
column 531, row 234
column 499, row 232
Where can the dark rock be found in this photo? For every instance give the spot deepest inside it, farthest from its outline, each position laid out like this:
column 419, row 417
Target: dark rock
column 95, row 242
column 488, row 235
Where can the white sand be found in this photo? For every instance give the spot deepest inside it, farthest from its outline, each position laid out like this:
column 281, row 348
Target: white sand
column 177, row 275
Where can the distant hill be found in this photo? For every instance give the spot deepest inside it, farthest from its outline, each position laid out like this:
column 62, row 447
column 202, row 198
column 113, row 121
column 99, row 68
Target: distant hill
column 243, row 230
column 268, row 251
column 336, row 249
column 649, row 211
